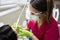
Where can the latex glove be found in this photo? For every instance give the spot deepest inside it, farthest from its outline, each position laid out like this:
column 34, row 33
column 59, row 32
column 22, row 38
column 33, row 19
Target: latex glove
column 21, row 32
column 16, row 29
column 18, row 26
column 24, row 33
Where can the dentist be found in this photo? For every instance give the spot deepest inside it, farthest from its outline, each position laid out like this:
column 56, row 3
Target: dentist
column 45, row 26
column 42, row 23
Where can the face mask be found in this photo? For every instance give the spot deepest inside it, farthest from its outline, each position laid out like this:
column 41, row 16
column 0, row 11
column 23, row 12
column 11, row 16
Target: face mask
column 34, row 17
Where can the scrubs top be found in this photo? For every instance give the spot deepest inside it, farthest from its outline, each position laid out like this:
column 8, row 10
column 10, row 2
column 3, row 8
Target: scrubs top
column 45, row 32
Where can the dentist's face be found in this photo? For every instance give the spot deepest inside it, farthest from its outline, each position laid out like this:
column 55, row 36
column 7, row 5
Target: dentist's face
column 35, row 12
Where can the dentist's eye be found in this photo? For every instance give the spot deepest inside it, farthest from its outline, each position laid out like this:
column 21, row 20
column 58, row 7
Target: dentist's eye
column 36, row 12
column 32, row 13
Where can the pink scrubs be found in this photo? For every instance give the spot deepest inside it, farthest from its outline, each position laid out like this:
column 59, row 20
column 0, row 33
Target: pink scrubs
column 45, row 32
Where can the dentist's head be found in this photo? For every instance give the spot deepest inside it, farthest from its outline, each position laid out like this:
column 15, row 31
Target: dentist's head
column 42, row 9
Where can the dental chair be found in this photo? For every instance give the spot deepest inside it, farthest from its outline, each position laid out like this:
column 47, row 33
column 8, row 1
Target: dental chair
column 56, row 16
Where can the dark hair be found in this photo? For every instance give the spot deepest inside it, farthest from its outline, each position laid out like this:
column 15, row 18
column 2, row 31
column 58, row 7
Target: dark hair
column 44, row 6
column 50, row 6
column 40, row 5
column 31, row 1
column 6, row 33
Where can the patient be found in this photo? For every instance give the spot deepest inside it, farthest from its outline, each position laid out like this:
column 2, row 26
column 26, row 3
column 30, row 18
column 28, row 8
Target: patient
column 7, row 33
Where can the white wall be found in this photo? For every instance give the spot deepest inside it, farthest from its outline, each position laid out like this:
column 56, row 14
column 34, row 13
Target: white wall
column 12, row 1
column 13, row 15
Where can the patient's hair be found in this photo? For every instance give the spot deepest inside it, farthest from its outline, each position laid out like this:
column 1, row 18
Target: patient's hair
column 6, row 33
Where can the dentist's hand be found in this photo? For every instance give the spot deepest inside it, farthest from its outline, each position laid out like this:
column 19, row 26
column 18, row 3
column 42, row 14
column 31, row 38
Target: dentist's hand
column 18, row 26
column 20, row 31
column 25, row 33
column 16, row 29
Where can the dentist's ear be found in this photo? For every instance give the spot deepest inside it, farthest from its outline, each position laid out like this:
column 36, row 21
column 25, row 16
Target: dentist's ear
column 45, row 14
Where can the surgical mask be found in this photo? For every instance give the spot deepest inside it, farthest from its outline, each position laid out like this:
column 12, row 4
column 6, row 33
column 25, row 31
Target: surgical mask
column 34, row 17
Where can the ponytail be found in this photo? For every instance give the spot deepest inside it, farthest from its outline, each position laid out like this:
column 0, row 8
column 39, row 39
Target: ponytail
column 50, row 5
